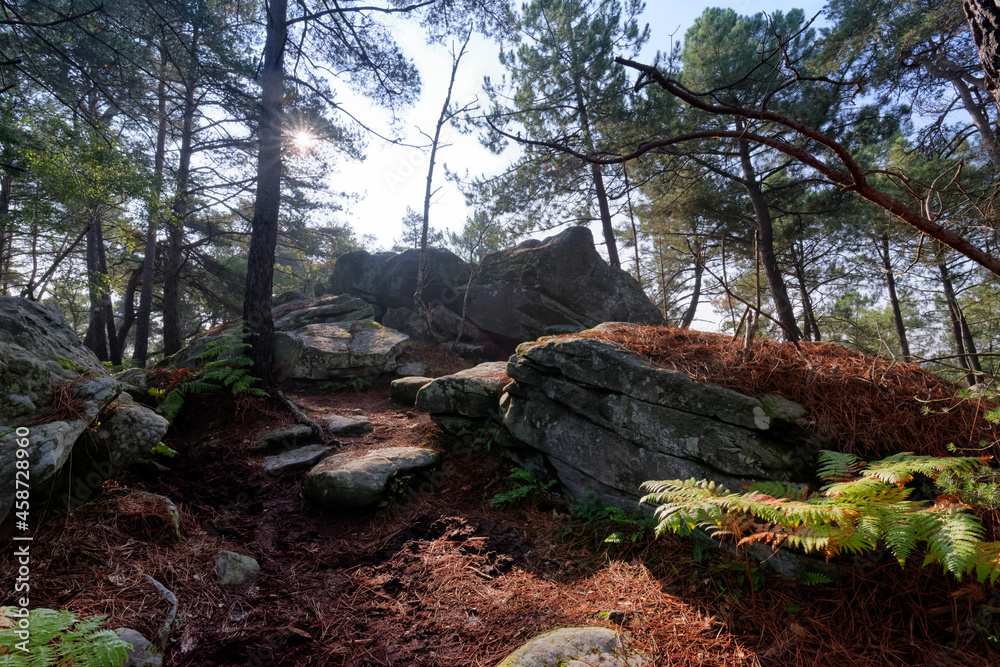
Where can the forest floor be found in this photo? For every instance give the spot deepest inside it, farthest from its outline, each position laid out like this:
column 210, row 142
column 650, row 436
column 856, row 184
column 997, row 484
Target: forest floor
column 441, row 577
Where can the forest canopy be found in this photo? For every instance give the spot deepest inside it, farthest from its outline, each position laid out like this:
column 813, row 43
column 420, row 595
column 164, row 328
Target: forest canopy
column 168, row 166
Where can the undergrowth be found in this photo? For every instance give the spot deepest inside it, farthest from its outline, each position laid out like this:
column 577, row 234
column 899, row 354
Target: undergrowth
column 861, row 506
column 57, row 638
column 223, row 365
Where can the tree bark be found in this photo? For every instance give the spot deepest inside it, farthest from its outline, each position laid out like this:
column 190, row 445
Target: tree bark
column 264, row 226
column 765, row 237
column 968, row 359
column 418, row 297
column 173, row 338
column 141, row 349
column 95, row 339
column 897, row 311
column 810, row 327
column 595, row 170
column 692, row 308
column 984, row 19
column 109, row 314
column 128, row 310
column 5, row 184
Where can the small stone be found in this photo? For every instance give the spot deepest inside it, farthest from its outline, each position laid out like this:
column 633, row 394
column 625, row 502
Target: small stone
column 339, row 425
column 235, row 569
column 284, row 438
column 142, row 653
column 295, row 459
column 404, row 390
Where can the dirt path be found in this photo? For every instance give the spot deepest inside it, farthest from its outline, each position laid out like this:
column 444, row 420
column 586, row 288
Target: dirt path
column 440, row 577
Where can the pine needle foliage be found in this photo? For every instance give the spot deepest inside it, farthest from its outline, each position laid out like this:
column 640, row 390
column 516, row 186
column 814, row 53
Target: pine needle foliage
column 58, row 637
column 223, row 365
column 861, row 506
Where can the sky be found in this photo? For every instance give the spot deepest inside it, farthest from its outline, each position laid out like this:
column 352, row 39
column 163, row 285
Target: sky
column 394, row 177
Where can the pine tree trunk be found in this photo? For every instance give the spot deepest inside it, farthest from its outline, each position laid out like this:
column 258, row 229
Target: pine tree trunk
column 264, row 227
column 692, row 308
column 141, row 350
column 967, row 358
column 810, row 328
column 173, row 338
column 95, row 339
column 5, row 185
column 984, row 19
column 765, row 238
column 897, row 311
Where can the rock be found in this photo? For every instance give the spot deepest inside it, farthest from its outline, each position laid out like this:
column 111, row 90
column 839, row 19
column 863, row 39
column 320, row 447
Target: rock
column 333, row 351
column 446, row 274
column 284, row 438
column 340, row 425
column 442, row 325
column 607, row 421
column 348, row 481
column 42, row 364
column 551, row 285
column 358, row 273
column 142, row 653
column 342, row 308
column 295, row 459
column 474, row 392
column 173, row 516
column 412, row 369
column 290, row 296
column 573, row 647
column 236, row 569
column 404, row 390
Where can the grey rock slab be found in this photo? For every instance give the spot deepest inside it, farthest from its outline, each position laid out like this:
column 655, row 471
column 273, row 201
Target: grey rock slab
column 576, row 647
column 342, row 308
column 474, row 392
column 236, row 569
column 599, row 364
column 284, row 438
column 404, row 390
column 350, row 481
column 295, row 459
column 341, row 425
column 142, row 653
column 337, row 350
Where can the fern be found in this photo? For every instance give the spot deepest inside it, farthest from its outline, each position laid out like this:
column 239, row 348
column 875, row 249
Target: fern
column 59, row 638
column 224, row 365
column 861, row 506
column 525, row 483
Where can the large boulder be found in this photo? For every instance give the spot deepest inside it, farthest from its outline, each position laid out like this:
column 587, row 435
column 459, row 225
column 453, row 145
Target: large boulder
column 557, row 285
column 358, row 273
column 447, row 273
column 57, row 399
column 337, row 350
column 607, row 421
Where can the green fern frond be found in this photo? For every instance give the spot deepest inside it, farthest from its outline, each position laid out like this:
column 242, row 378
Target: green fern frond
column 860, row 508
column 780, row 490
column 988, row 563
column 837, row 466
column 58, row 637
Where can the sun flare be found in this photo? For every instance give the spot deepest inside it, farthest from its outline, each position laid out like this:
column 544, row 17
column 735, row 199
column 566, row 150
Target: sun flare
column 304, row 140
